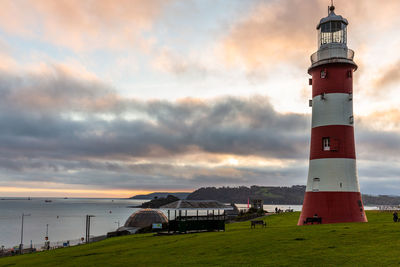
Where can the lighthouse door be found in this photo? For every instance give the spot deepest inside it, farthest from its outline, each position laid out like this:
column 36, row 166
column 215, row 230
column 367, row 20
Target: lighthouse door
column 315, row 186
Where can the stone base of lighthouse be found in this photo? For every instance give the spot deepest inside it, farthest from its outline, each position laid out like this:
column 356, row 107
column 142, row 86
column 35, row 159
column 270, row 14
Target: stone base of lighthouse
column 333, row 207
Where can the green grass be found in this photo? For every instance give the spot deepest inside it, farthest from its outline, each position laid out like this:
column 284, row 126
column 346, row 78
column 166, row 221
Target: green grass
column 282, row 243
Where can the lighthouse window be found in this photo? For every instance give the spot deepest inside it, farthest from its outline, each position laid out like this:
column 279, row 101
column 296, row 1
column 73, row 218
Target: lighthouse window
column 315, row 185
column 351, row 119
column 332, row 32
column 326, row 36
column 326, row 146
column 350, row 96
column 323, row 73
column 337, row 33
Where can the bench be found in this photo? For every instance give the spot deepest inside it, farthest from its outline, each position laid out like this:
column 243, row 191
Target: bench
column 255, row 222
column 313, row 220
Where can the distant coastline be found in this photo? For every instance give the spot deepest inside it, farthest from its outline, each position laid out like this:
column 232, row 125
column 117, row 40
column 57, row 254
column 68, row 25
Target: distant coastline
column 269, row 194
column 180, row 195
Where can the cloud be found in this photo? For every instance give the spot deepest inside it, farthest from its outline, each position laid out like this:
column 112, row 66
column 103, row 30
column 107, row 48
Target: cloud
column 390, row 77
column 54, row 88
column 387, row 120
column 168, row 61
column 271, row 32
column 64, row 129
column 135, row 175
column 41, row 105
column 83, row 25
column 378, row 144
column 283, row 32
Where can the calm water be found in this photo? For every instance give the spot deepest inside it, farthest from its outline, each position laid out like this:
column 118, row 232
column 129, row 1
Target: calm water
column 66, row 218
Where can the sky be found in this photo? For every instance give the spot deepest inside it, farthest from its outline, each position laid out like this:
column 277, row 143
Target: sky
column 112, row 98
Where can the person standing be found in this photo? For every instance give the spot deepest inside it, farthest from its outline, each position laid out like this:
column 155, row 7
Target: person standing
column 395, row 216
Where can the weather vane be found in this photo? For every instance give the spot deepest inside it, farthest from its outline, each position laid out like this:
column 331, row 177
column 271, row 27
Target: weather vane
column 331, row 8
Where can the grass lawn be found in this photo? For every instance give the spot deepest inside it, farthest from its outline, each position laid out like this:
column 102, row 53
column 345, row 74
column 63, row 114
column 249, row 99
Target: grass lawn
column 282, row 243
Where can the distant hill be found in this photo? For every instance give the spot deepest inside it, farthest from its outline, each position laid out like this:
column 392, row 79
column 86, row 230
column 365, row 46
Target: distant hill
column 180, row 195
column 274, row 195
column 269, row 194
column 158, row 202
column 380, row 200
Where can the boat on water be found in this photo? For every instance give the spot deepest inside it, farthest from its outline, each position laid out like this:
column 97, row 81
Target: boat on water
column 48, row 200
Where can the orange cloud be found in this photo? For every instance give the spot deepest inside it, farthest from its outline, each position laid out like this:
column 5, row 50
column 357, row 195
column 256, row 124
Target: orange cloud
column 7, row 63
column 272, row 31
column 83, row 25
column 390, row 76
column 284, row 31
column 383, row 120
column 60, row 87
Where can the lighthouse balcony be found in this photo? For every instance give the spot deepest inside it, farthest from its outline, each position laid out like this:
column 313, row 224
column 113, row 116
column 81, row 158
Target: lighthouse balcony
column 332, row 55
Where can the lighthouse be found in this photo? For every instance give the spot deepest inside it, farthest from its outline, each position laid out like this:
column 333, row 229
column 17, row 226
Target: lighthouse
column 332, row 192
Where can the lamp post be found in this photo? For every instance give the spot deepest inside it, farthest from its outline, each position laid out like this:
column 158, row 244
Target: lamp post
column 88, row 227
column 22, row 232
column 47, row 242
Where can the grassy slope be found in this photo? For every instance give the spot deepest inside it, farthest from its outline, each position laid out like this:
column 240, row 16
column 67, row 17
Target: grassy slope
column 281, row 243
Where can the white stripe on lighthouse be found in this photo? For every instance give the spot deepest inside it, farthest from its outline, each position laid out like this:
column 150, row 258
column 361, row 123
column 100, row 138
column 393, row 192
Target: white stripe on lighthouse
column 333, row 174
column 332, row 109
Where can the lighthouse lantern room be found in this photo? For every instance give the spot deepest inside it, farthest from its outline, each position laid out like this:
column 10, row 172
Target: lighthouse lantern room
column 332, row 192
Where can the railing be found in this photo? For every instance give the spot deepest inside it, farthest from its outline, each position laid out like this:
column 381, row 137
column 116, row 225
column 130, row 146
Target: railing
column 333, row 52
column 196, row 225
column 389, row 207
column 42, row 246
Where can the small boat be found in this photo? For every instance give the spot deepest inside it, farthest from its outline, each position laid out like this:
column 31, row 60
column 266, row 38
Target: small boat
column 48, row 200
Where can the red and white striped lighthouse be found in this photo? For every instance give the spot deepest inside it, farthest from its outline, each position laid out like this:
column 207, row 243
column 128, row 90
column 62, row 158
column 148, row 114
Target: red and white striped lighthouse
column 332, row 192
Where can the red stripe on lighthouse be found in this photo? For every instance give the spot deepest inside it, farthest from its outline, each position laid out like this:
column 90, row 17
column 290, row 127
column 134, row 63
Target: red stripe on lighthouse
column 341, row 138
column 337, row 79
column 333, row 207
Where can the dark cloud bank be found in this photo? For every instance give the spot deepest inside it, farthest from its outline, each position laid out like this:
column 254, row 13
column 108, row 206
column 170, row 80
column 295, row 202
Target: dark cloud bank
column 54, row 128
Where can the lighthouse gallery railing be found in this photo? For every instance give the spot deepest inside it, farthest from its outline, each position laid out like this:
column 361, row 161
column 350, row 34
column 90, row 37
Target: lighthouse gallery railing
column 336, row 52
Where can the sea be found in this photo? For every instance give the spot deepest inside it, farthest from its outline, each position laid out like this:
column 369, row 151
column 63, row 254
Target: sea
column 64, row 219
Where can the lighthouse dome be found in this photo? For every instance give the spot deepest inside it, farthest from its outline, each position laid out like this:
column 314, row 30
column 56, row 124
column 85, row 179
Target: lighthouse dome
column 332, row 17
